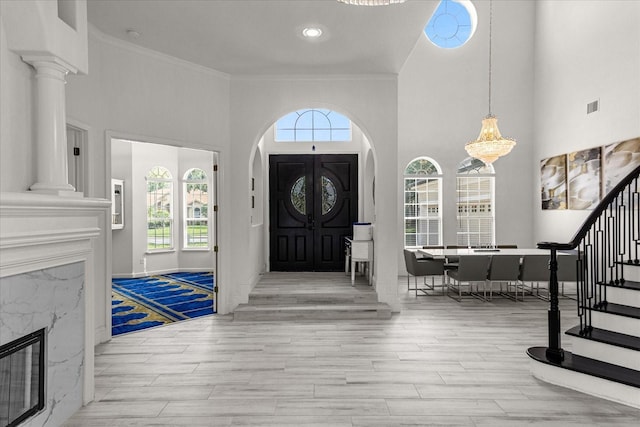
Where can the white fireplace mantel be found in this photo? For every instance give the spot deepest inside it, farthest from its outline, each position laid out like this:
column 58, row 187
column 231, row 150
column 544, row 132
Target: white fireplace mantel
column 40, row 231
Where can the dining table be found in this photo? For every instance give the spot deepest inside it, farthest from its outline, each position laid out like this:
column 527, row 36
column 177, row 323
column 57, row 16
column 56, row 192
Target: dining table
column 443, row 253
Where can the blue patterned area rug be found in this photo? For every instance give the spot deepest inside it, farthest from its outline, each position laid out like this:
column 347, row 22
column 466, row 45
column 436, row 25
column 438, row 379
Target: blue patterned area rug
column 156, row 300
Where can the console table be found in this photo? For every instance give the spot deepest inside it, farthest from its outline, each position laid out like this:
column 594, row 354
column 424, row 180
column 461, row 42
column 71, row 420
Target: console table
column 358, row 251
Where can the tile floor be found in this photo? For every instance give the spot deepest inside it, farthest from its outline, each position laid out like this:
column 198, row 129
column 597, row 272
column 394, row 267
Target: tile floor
column 438, row 362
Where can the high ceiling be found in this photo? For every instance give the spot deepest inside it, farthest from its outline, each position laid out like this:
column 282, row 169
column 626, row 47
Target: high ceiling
column 264, row 36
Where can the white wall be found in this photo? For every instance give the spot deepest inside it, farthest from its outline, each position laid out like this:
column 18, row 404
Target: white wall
column 122, row 239
column 443, row 97
column 595, row 57
column 17, row 130
column 134, row 93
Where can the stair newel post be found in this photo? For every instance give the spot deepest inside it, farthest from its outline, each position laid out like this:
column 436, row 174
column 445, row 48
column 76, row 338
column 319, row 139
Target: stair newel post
column 554, row 351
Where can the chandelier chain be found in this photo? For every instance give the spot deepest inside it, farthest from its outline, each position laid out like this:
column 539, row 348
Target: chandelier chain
column 490, row 38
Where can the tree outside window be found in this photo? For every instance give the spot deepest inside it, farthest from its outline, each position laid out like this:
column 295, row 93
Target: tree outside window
column 159, row 209
column 196, row 205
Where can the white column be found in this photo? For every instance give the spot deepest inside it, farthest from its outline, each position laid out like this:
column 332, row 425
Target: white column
column 51, row 133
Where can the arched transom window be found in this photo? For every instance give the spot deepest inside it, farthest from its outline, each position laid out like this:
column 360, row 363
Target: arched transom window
column 196, row 208
column 475, row 203
column 422, row 203
column 159, row 209
column 313, row 125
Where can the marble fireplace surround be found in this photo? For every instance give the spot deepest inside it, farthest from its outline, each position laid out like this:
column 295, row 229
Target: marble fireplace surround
column 47, row 261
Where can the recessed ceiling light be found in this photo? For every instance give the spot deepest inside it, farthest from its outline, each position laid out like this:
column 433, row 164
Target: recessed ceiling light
column 312, row 32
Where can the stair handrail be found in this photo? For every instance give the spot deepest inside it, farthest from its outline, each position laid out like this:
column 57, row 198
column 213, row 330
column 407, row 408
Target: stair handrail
column 554, row 351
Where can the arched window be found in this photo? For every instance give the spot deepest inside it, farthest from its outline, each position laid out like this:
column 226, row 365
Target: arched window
column 476, row 203
column 452, row 24
column 196, row 207
column 313, row 125
column 159, row 209
column 422, row 203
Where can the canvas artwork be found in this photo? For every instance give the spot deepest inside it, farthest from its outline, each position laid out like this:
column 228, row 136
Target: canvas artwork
column 553, row 181
column 583, row 178
column 620, row 159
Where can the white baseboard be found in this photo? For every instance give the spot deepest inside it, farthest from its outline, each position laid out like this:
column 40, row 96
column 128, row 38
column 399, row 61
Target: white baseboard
column 157, row 272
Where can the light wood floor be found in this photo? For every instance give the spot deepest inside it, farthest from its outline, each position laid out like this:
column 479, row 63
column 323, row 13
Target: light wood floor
column 438, row 362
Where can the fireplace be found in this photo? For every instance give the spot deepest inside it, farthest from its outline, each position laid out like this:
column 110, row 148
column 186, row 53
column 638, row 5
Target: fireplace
column 22, row 378
column 53, row 250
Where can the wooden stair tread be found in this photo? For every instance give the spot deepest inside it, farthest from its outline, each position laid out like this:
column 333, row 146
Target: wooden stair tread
column 617, row 309
column 593, row 367
column 607, row 337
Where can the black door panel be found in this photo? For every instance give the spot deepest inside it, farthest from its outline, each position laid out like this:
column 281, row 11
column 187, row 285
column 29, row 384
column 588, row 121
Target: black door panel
column 313, row 204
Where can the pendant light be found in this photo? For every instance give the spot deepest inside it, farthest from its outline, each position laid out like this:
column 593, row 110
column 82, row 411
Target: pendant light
column 490, row 144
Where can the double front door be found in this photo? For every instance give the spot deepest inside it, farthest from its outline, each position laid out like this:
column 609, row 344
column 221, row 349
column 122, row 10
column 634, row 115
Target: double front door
column 313, row 202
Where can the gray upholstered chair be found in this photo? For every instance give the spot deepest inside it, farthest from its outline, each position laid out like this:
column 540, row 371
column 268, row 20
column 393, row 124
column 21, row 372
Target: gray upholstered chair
column 535, row 270
column 452, row 260
column 471, row 269
column 504, row 269
column 423, row 267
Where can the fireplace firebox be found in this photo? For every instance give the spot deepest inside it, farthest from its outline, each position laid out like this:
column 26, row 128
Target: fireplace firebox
column 22, row 378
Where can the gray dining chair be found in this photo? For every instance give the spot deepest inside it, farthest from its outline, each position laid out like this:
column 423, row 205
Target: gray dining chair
column 504, row 269
column 423, row 267
column 471, row 269
column 534, row 271
column 452, row 260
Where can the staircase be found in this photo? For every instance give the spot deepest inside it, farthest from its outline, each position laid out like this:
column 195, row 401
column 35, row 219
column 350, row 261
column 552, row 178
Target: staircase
column 605, row 357
column 311, row 296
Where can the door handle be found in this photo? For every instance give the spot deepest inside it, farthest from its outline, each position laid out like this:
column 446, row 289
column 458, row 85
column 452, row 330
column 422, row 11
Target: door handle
column 310, row 222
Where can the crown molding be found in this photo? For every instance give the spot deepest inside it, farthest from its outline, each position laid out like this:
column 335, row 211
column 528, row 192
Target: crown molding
column 122, row 44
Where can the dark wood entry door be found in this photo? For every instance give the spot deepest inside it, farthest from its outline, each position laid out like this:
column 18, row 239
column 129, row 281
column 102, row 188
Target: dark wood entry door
column 313, row 204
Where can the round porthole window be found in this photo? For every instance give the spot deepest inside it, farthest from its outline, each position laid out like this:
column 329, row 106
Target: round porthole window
column 452, row 24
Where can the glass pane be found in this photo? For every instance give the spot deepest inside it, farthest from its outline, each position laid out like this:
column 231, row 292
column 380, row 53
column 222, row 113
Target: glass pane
column 421, row 167
column 298, row 196
column 304, row 135
column 329, row 195
column 341, row 135
column 285, row 135
column 338, row 121
column 410, row 240
column 320, row 120
column 305, row 121
column 287, row 122
column 197, row 233
column 410, row 210
column 321, row 135
column 196, row 175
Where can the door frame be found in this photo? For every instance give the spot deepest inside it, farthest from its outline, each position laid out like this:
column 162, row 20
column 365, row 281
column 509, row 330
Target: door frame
column 267, row 198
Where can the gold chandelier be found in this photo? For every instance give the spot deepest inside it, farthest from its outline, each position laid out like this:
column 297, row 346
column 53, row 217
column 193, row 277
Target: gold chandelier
column 371, row 2
column 490, row 144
